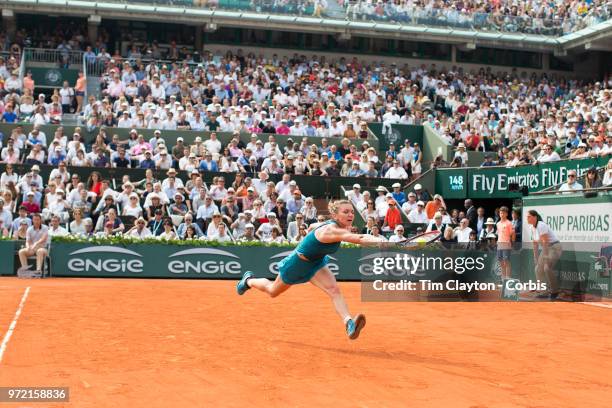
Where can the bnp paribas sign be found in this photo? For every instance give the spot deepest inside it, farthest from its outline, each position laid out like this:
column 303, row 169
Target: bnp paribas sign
column 572, row 217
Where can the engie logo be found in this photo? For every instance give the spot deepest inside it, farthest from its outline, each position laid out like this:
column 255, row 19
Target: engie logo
column 191, row 262
column 105, row 259
column 273, row 268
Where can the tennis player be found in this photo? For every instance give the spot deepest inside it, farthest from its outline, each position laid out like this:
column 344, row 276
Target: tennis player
column 308, row 263
column 545, row 239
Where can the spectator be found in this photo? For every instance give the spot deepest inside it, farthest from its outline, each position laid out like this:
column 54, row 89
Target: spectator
column 571, row 184
column 592, row 179
column 5, row 215
column 21, row 233
column 480, row 220
column 66, row 96
column 396, row 172
column 488, row 162
column 548, row 155
column 309, row 211
column 31, row 206
column 156, row 223
column 411, row 204
column 221, row 235
column 462, row 232
column 132, row 208
column 355, row 194
column 421, row 195
column 375, row 232
column 489, row 228
column 188, row 223
column 264, row 232
column 55, row 229
column 22, row 216
column 190, row 233
column 276, row 236
column 398, row 195
column 140, row 230
column 117, row 226
column 393, row 216
column 249, row 234
column 281, row 212
column 230, row 210
column 607, row 178
column 471, row 214
column 434, row 206
column 418, row 215
column 79, row 225
column 293, row 229
column 472, row 243
column 213, row 226
column 179, row 207
column 168, row 233
column 448, row 238
column 436, row 224
column 398, row 236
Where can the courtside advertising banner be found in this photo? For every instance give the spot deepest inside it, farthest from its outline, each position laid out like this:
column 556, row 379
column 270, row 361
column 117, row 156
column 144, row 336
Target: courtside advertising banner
column 424, row 272
column 572, row 217
column 495, row 182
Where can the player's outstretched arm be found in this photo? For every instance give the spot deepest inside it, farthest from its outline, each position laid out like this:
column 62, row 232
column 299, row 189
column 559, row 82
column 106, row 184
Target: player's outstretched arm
column 342, row 235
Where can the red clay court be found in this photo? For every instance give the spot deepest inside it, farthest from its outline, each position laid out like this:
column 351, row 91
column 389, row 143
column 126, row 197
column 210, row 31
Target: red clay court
column 173, row 343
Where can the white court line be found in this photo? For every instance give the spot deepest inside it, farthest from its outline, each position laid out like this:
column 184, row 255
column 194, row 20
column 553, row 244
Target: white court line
column 9, row 333
column 604, row 305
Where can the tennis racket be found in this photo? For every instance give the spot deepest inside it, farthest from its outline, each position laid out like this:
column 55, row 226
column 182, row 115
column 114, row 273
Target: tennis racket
column 421, row 239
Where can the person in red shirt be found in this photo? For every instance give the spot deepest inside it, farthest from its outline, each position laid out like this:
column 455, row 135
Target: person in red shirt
column 433, row 206
column 354, row 154
column 94, row 183
column 472, row 140
column 30, row 205
column 393, row 217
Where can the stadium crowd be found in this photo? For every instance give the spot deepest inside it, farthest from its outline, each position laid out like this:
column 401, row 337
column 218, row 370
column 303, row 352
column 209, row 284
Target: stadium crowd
column 518, row 119
column 536, row 17
column 557, row 17
column 248, row 209
column 514, row 116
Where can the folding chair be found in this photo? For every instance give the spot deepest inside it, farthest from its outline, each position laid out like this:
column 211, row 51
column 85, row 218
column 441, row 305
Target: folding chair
column 45, row 270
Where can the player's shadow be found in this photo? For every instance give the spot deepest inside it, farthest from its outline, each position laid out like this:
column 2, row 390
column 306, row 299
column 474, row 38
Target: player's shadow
column 395, row 355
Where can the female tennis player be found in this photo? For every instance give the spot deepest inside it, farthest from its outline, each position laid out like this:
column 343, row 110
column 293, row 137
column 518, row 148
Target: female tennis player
column 543, row 237
column 308, row 263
